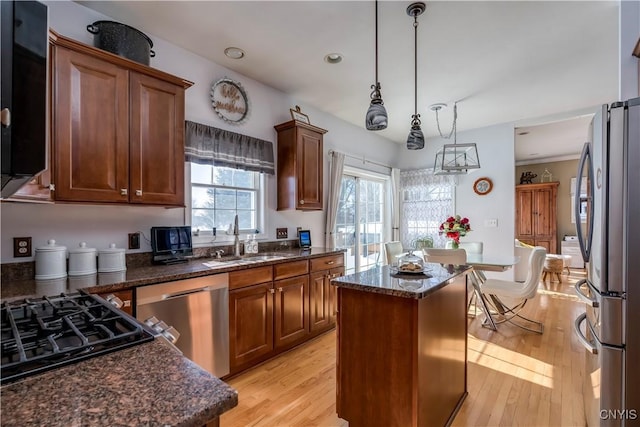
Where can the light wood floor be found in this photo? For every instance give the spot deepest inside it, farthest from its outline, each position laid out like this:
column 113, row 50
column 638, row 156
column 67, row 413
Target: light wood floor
column 515, row 377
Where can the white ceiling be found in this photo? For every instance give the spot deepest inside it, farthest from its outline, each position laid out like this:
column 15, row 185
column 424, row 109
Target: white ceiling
column 525, row 62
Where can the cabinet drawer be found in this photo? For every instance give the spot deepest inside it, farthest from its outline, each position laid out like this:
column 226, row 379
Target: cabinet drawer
column 327, row 262
column 252, row 276
column 290, row 269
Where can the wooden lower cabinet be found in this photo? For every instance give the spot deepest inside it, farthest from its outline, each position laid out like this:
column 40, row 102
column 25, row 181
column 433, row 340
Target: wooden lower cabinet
column 250, row 325
column 323, row 299
column 291, row 311
column 274, row 308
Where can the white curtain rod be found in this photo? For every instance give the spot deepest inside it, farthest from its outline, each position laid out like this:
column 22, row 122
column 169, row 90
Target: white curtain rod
column 363, row 159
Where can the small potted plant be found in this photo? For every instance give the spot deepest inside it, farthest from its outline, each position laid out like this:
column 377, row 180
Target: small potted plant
column 423, row 242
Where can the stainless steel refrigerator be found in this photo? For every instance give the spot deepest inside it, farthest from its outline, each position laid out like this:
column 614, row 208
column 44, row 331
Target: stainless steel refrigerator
column 610, row 244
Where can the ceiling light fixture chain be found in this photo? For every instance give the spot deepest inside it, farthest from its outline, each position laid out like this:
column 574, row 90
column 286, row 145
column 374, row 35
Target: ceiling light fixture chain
column 453, row 131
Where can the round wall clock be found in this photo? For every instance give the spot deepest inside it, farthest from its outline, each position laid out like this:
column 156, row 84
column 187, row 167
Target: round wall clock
column 482, row 186
column 230, row 101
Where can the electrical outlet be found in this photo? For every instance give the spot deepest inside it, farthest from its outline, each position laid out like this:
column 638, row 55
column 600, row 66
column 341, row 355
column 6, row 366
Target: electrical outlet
column 282, row 233
column 134, row 240
column 21, row 247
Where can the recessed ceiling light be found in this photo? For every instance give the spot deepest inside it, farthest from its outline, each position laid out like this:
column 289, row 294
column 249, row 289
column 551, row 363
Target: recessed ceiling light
column 234, row 52
column 333, row 58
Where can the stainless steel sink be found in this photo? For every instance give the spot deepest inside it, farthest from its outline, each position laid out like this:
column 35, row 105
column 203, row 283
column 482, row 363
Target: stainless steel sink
column 246, row 259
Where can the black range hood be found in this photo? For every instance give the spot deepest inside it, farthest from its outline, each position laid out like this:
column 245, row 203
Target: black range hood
column 24, row 33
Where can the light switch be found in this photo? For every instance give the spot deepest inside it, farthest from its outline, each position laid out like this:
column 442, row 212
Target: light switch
column 493, row 222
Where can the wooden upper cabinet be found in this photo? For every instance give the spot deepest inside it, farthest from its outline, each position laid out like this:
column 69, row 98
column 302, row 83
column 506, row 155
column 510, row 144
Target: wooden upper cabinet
column 536, row 210
column 156, row 150
column 90, row 128
column 117, row 128
column 300, row 166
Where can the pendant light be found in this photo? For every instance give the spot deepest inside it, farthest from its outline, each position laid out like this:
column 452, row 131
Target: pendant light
column 415, row 140
column 454, row 159
column 376, row 118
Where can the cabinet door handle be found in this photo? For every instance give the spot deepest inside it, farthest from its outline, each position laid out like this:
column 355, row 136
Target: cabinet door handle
column 330, row 262
column 6, row 117
column 272, row 291
column 138, row 192
column 279, row 289
column 123, row 192
column 302, row 202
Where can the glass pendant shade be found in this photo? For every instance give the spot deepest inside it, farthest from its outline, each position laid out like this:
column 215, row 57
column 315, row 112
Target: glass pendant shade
column 415, row 141
column 376, row 115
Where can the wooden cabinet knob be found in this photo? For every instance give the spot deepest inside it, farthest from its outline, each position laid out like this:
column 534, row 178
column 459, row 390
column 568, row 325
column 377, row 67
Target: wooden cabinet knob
column 138, row 193
column 123, row 192
column 302, row 202
column 273, row 291
column 279, row 289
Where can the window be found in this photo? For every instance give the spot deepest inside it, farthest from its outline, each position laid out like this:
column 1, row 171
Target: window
column 219, row 193
column 361, row 221
column 426, row 201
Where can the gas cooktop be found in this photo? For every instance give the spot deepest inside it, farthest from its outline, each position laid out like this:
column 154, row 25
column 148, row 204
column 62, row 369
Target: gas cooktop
column 49, row 332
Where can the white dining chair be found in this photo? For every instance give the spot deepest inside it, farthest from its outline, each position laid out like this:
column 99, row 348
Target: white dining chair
column 495, row 291
column 392, row 250
column 470, row 247
column 521, row 269
column 445, row 256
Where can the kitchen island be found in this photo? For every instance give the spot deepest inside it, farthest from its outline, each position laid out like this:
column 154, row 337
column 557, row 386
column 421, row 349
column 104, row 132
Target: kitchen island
column 402, row 346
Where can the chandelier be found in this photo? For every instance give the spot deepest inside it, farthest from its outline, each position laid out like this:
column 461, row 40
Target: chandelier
column 454, row 159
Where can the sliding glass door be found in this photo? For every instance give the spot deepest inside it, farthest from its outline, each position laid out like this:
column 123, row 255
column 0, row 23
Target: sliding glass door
column 361, row 221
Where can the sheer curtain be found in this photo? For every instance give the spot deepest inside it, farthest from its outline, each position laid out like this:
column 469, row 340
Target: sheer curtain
column 426, row 201
column 336, row 167
column 395, row 204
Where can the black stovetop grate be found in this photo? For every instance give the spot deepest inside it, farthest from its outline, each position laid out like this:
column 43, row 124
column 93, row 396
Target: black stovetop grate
column 41, row 334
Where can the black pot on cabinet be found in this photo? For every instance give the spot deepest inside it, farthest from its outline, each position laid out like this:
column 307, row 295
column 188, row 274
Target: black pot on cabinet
column 122, row 40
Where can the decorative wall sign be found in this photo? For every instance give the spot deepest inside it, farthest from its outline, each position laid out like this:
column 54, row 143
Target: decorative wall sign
column 230, row 101
column 298, row 115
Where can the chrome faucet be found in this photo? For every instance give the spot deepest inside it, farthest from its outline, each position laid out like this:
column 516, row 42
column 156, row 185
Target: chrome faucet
column 236, row 233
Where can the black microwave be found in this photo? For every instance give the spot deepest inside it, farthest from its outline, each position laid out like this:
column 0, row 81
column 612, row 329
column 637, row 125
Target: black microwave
column 171, row 245
column 24, row 40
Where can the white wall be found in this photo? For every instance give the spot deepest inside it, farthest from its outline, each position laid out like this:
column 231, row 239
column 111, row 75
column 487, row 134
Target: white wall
column 496, row 151
column 100, row 225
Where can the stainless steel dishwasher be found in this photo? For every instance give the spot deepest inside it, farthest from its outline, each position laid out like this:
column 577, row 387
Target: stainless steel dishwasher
column 199, row 310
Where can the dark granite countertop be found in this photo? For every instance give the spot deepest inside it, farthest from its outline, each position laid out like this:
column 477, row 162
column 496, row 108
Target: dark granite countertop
column 150, row 384
column 148, row 275
column 381, row 280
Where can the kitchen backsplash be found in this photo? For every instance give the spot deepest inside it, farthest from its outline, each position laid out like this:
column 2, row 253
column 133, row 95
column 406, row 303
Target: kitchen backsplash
column 26, row 270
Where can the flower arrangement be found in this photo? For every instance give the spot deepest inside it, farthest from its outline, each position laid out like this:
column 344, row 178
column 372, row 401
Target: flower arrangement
column 455, row 227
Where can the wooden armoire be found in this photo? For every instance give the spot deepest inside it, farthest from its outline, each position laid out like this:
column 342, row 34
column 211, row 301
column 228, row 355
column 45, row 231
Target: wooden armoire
column 536, row 207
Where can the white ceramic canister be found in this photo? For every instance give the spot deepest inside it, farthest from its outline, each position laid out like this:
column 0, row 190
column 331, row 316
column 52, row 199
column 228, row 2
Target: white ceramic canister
column 51, row 261
column 82, row 260
column 111, row 259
